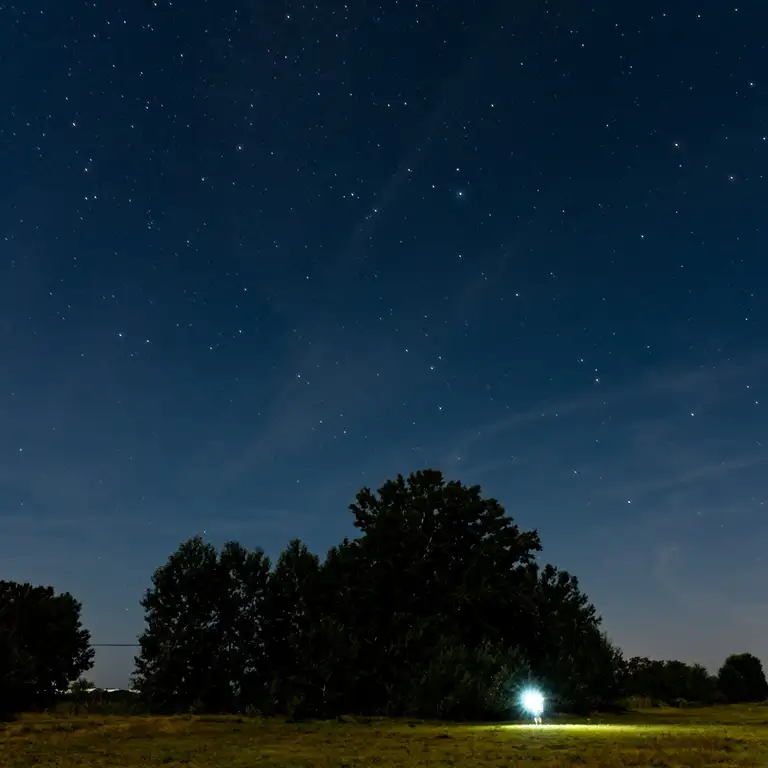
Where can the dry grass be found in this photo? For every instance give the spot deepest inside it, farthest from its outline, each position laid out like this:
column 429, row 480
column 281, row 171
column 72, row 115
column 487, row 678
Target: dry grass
column 719, row 737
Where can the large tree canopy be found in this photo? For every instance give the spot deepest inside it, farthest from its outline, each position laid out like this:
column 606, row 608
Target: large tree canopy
column 437, row 608
column 742, row 678
column 436, row 563
column 43, row 646
column 439, row 549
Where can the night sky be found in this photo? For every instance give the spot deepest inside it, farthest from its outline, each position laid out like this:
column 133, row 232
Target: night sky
column 257, row 255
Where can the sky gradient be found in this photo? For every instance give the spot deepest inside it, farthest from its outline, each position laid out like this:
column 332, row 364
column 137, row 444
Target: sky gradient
column 255, row 256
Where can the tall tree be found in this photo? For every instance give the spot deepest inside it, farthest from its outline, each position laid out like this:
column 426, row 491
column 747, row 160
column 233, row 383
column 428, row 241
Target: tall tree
column 435, row 560
column 334, row 638
column 291, row 610
column 43, row 645
column 243, row 625
column 440, row 548
column 203, row 647
column 565, row 646
column 438, row 563
column 742, row 679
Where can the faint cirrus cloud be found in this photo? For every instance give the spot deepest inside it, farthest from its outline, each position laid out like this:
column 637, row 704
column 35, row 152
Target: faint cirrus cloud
column 320, row 389
column 672, row 382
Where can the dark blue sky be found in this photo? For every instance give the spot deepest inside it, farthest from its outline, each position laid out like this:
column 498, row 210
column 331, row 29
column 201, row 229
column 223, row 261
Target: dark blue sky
column 254, row 256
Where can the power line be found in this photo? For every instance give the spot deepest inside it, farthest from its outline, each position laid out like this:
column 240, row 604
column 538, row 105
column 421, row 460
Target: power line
column 115, row 645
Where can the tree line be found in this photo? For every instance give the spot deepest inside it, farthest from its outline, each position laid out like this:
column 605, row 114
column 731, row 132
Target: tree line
column 439, row 607
column 673, row 683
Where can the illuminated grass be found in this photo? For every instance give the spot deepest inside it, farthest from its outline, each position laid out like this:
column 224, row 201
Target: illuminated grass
column 722, row 737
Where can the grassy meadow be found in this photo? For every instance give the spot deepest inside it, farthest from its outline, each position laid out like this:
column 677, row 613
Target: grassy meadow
column 726, row 736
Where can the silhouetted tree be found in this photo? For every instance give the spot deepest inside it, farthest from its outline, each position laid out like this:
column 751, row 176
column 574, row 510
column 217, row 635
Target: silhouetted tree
column 742, row 679
column 440, row 567
column 702, row 687
column 436, row 609
column 291, row 611
column 435, row 560
column 204, row 645
column 334, row 641
column 564, row 645
column 669, row 682
column 43, row 646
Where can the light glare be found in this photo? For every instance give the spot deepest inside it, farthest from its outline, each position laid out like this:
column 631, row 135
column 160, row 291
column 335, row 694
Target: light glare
column 533, row 702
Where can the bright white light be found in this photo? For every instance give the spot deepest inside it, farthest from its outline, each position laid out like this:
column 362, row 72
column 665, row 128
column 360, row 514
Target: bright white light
column 533, row 702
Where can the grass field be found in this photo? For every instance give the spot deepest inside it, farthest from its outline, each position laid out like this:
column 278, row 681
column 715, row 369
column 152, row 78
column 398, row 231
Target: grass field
column 728, row 736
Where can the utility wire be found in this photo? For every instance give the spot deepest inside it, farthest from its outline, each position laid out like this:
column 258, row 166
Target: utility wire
column 114, row 645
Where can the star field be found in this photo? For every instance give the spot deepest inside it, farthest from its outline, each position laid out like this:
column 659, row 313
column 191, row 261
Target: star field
column 254, row 256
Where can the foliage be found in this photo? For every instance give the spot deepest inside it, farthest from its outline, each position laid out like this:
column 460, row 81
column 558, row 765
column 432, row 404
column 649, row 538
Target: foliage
column 296, row 683
column 578, row 663
column 204, row 648
column 81, row 685
column 460, row 682
column 669, row 682
column 43, row 646
column 436, row 563
column 742, row 679
column 101, row 702
column 437, row 609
